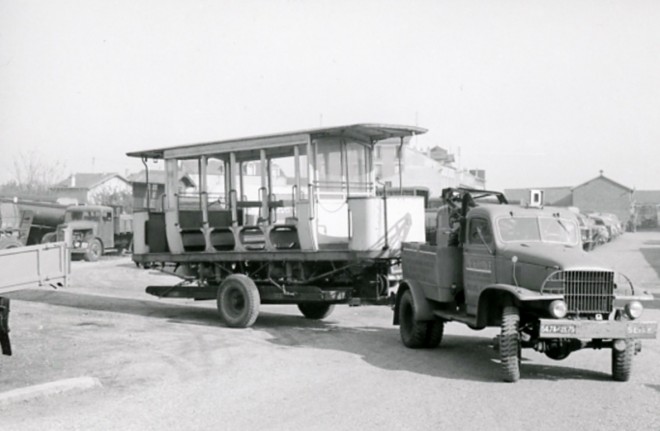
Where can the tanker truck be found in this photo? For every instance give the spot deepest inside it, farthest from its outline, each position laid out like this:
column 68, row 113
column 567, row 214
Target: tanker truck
column 26, row 222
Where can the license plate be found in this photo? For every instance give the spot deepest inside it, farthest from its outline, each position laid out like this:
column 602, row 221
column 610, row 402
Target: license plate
column 593, row 329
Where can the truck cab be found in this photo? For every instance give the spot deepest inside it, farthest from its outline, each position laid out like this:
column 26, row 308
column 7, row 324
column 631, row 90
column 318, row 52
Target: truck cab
column 91, row 230
column 521, row 268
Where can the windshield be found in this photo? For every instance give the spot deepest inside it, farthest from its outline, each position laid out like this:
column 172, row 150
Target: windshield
column 82, row 215
column 538, row 229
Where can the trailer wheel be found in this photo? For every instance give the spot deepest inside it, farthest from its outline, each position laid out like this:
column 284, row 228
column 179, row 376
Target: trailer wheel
column 316, row 310
column 94, row 250
column 238, row 301
column 510, row 344
column 9, row 243
column 413, row 332
column 622, row 361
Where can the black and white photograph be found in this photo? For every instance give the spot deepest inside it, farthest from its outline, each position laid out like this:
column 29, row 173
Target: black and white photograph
column 329, row 215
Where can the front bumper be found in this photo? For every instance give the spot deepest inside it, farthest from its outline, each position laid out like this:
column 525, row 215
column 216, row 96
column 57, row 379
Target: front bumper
column 596, row 329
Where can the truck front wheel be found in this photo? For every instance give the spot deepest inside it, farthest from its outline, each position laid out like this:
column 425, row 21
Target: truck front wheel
column 238, row 301
column 94, row 250
column 510, row 344
column 622, row 360
column 316, row 310
column 416, row 334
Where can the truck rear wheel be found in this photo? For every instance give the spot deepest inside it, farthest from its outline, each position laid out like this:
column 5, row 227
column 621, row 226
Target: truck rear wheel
column 417, row 334
column 316, row 310
column 238, row 301
column 622, row 361
column 94, row 250
column 510, row 344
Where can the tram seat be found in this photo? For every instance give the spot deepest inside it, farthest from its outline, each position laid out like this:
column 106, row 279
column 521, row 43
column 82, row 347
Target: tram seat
column 284, row 237
column 192, row 230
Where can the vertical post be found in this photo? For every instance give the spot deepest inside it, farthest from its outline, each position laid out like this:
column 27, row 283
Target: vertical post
column 296, row 157
column 241, row 186
column 204, row 202
column 263, row 213
column 401, row 167
column 231, row 177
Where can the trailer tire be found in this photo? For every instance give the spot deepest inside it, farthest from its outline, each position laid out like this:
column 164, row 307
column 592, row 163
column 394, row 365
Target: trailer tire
column 316, row 310
column 622, row 362
column 238, row 301
column 510, row 344
column 94, row 250
column 10, row 243
column 413, row 332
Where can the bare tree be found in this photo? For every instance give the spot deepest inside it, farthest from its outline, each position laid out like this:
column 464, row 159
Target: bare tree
column 32, row 175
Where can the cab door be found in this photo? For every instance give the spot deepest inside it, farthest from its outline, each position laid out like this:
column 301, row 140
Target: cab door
column 107, row 229
column 478, row 261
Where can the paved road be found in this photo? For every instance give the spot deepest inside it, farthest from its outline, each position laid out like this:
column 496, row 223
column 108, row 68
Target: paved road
column 174, row 365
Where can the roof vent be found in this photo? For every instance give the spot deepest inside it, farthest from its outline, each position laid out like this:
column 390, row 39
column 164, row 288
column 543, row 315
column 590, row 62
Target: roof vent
column 536, row 198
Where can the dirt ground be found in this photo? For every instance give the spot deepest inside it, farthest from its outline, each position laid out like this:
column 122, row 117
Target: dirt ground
column 172, row 364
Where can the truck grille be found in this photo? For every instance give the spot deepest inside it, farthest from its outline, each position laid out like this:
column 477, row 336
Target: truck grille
column 585, row 292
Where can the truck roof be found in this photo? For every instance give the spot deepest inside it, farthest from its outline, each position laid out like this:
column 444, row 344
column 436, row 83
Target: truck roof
column 362, row 132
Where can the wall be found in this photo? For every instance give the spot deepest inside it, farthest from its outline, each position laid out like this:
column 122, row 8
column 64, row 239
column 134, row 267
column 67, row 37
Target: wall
column 603, row 195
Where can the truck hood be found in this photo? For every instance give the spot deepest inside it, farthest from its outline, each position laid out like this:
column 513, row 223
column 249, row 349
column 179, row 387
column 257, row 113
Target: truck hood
column 553, row 256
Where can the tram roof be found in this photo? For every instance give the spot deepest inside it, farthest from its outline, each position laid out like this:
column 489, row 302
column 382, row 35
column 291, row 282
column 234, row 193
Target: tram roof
column 361, row 132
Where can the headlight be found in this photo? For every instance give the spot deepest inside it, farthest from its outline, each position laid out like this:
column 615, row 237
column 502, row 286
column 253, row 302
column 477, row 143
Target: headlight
column 558, row 309
column 634, row 309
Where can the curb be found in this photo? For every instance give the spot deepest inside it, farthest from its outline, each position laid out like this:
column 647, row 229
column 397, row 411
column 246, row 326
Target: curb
column 46, row 389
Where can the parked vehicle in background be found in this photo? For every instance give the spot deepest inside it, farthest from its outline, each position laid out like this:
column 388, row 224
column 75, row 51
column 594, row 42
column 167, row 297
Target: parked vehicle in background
column 587, row 229
column 608, row 221
column 26, row 222
column 93, row 230
column 521, row 269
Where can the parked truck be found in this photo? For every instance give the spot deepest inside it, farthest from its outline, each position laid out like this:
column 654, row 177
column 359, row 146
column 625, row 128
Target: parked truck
column 26, row 222
column 93, row 230
column 522, row 269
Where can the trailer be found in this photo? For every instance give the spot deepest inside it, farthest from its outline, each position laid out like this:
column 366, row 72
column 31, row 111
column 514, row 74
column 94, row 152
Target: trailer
column 289, row 218
column 30, row 266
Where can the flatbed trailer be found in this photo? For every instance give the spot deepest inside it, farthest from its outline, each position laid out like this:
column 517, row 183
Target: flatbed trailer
column 321, row 235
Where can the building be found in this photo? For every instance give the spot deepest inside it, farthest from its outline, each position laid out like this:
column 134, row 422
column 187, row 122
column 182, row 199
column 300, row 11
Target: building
column 433, row 169
column 647, row 207
column 600, row 194
column 148, row 195
column 85, row 188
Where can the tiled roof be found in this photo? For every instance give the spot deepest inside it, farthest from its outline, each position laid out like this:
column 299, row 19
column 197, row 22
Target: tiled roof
column 85, row 181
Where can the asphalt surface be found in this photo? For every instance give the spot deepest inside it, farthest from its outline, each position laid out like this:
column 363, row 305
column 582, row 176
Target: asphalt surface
column 172, row 365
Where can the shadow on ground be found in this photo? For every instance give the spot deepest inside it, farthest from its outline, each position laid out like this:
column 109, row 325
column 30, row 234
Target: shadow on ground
column 459, row 357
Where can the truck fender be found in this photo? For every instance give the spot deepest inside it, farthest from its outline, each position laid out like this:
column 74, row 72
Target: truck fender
column 423, row 308
column 496, row 296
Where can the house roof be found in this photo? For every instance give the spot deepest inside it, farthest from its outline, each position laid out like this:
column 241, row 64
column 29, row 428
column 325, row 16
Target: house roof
column 86, row 181
column 603, row 177
column 647, row 196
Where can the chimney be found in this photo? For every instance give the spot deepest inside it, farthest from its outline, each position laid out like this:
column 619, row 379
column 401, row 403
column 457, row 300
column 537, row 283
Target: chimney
column 73, row 180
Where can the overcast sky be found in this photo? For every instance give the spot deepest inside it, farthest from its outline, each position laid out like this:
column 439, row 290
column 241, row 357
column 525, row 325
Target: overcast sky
column 536, row 93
